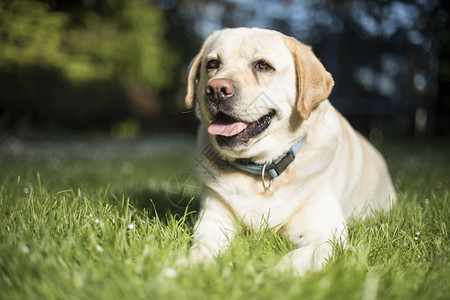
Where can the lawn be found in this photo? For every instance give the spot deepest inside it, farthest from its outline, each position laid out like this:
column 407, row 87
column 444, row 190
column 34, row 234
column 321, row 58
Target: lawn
column 93, row 218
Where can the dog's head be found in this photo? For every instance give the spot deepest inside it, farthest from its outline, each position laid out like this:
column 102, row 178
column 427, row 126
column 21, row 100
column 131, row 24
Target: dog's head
column 253, row 88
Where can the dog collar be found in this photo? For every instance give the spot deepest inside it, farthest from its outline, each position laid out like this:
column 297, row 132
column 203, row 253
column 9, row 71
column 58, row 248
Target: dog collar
column 273, row 169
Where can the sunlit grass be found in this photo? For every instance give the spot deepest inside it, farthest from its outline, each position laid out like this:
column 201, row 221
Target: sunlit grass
column 97, row 222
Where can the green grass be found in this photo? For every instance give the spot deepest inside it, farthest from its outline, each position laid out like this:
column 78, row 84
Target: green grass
column 92, row 218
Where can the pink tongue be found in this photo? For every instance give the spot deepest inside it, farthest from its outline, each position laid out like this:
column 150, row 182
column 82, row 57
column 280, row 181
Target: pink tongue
column 226, row 129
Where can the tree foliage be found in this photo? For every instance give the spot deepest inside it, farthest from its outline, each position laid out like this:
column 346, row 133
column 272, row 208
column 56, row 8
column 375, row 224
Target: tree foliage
column 77, row 64
column 127, row 43
column 30, row 34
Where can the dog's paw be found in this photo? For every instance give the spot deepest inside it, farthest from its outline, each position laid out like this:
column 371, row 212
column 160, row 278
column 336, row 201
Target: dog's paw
column 200, row 254
column 190, row 261
column 302, row 260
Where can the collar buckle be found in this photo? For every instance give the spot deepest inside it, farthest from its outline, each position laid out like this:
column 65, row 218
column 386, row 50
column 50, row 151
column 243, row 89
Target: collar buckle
column 271, row 170
column 275, row 169
column 281, row 164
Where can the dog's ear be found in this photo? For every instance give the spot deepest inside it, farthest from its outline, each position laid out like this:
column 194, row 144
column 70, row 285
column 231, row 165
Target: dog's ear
column 194, row 72
column 314, row 83
column 194, row 69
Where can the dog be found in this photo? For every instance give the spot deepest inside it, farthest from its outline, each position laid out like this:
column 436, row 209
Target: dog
column 273, row 151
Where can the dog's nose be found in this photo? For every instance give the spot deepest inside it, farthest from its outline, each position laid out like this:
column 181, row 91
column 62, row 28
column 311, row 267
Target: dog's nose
column 219, row 89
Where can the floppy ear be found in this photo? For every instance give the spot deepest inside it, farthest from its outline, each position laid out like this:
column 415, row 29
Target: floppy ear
column 194, row 69
column 314, row 83
column 194, row 72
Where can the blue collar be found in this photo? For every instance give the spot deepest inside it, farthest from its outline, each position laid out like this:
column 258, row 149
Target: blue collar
column 273, row 169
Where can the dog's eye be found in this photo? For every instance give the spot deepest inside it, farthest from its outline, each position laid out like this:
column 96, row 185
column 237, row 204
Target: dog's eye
column 212, row 64
column 262, row 66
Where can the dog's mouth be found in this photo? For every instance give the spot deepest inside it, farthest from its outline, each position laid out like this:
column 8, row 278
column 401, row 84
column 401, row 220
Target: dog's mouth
column 231, row 132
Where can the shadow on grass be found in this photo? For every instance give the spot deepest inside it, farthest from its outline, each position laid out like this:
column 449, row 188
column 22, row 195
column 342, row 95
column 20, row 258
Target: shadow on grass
column 177, row 196
column 158, row 202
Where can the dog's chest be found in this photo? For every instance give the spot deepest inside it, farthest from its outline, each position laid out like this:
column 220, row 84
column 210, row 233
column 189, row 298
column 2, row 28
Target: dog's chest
column 257, row 208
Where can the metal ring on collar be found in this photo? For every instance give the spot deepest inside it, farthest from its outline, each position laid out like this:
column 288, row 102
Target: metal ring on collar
column 263, row 171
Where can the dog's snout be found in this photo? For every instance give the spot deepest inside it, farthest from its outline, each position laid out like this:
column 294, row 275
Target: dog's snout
column 219, row 89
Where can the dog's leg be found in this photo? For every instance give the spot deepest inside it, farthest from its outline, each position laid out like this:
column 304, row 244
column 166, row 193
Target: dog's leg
column 214, row 230
column 314, row 235
column 310, row 257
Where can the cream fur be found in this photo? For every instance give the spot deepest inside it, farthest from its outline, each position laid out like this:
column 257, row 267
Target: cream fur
column 336, row 174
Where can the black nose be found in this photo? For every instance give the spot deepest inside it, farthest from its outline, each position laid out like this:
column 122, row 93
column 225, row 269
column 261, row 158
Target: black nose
column 219, row 89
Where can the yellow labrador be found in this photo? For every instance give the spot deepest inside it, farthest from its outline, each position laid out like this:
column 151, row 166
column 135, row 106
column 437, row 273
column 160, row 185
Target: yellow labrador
column 273, row 150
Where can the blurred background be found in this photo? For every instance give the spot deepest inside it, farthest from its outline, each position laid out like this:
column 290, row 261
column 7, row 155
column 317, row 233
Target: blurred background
column 119, row 67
